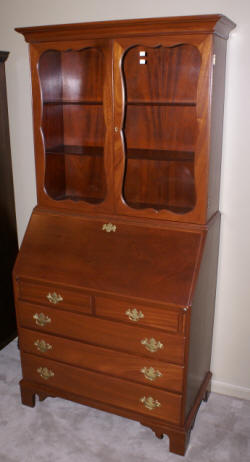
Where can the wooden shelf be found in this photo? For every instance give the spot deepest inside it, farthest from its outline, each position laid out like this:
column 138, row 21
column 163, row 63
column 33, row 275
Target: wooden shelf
column 162, row 155
column 148, row 205
column 76, row 150
column 75, row 102
column 143, row 154
column 75, row 198
column 161, row 103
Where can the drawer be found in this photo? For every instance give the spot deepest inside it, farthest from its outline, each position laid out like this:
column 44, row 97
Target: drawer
column 46, row 294
column 101, row 388
column 167, row 318
column 101, row 332
column 118, row 364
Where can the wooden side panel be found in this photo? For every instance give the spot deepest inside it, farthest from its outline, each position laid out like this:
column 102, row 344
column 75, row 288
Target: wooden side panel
column 202, row 316
column 217, row 110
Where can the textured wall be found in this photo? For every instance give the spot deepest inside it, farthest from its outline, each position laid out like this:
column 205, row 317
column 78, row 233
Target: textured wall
column 231, row 349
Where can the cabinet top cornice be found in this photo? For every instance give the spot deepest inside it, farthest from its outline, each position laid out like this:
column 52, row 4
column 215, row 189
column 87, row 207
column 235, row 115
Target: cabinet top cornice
column 205, row 24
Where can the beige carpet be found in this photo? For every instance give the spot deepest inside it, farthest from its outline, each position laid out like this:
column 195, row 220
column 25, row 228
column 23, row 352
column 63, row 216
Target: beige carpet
column 60, row 431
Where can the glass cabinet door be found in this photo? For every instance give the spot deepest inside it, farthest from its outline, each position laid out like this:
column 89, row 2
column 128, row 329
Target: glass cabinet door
column 159, row 126
column 73, row 126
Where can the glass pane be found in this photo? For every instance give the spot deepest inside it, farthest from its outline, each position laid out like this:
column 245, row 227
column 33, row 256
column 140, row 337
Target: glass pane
column 73, row 124
column 160, row 126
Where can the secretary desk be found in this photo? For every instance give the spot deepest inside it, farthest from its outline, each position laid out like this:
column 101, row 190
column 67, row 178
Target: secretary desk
column 116, row 276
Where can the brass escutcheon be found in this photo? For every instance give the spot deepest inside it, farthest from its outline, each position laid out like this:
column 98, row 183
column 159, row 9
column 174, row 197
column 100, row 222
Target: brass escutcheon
column 134, row 315
column 54, row 298
column 150, row 403
column 152, row 345
column 150, row 373
column 42, row 345
column 108, row 227
column 45, row 373
column 41, row 319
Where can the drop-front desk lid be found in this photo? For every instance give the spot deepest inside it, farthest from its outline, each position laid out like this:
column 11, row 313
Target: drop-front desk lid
column 148, row 263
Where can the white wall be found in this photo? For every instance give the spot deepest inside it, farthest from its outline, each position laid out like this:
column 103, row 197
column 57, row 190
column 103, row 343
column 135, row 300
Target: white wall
column 231, row 349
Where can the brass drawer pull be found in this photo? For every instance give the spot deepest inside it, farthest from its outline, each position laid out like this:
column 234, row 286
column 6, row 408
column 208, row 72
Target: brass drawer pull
column 150, row 403
column 150, row 373
column 54, row 298
column 152, row 345
column 134, row 315
column 45, row 373
column 42, row 345
column 108, row 227
column 41, row 319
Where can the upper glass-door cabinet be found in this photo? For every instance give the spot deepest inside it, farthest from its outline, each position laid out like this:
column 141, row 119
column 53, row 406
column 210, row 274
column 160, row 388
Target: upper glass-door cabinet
column 72, row 138
column 163, row 126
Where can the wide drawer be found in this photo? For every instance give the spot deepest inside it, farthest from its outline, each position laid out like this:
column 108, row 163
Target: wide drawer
column 49, row 295
column 143, row 370
column 115, row 335
column 105, row 389
column 169, row 319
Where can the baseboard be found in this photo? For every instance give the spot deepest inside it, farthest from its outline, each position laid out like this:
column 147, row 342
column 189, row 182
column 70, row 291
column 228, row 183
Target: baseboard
column 230, row 389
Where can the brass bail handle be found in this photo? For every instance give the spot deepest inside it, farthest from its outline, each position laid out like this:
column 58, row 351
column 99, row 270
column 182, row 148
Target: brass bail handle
column 54, row 298
column 150, row 403
column 152, row 345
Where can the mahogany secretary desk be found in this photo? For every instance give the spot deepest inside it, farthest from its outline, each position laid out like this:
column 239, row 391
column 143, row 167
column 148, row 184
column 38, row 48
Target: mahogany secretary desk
column 115, row 280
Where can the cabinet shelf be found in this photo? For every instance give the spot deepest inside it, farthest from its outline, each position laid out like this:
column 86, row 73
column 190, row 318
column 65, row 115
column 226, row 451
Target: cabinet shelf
column 156, row 206
column 76, row 150
column 160, row 154
column 75, row 198
column 143, row 154
column 161, row 103
column 55, row 102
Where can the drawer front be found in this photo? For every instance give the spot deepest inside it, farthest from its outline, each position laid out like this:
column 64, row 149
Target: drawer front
column 53, row 296
column 90, row 329
column 143, row 370
column 109, row 390
column 167, row 319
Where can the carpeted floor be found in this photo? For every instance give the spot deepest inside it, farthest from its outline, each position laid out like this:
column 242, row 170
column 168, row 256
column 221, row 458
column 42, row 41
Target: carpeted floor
column 60, row 431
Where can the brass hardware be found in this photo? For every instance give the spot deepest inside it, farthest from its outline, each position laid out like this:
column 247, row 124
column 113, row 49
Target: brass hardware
column 185, row 309
column 152, row 345
column 41, row 319
column 134, row 315
column 45, row 373
column 150, row 373
column 54, row 298
column 42, row 345
column 108, row 227
column 116, row 129
column 150, row 403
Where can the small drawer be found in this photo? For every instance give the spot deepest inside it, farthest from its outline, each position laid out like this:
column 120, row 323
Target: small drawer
column 140, row 341
column 143, row 370
column 168, row 319
column 62, row 297
column 101, row 388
